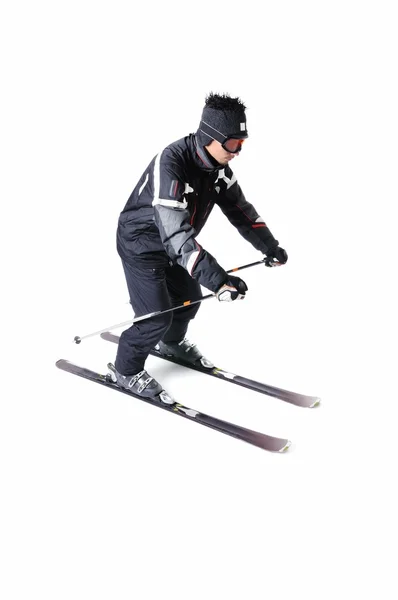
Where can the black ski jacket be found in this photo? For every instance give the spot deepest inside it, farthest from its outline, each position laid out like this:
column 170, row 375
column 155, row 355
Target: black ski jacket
column 171, row 203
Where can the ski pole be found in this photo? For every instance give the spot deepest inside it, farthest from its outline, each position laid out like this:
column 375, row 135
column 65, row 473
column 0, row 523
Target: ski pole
column 77, row 339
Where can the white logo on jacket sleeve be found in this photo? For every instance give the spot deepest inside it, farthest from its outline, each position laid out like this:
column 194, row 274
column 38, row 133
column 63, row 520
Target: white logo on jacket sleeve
column 164, row 201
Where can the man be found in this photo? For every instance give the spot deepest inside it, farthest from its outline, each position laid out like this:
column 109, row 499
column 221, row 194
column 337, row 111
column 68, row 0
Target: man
column 163, row 263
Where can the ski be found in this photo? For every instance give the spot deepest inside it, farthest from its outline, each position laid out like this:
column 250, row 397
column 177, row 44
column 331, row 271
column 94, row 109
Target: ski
column 251, row 384
column 255, row 438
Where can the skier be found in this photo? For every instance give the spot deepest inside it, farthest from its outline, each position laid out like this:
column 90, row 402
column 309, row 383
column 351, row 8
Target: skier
column 163, row 263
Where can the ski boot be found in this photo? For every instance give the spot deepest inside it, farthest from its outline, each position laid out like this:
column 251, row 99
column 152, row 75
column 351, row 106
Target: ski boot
column 185, row 351
column 141, row 384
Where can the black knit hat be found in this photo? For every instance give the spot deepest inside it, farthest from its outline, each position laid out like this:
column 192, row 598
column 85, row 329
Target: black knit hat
column 222, row 117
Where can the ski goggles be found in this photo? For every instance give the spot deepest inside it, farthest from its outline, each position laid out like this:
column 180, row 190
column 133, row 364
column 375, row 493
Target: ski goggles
column 233, row 145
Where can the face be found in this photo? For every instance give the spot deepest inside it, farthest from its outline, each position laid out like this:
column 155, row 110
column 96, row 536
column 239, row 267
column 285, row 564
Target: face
column 217, row 151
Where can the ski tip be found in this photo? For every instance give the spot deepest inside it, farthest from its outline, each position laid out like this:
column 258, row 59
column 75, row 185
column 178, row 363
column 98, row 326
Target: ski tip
column 286, row 446
column 316, row 402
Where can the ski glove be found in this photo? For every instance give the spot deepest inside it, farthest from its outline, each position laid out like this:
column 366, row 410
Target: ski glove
column 233, row 289
column 276, row 253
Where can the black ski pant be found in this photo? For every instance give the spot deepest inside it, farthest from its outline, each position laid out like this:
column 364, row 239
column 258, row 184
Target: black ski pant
column 151, row 290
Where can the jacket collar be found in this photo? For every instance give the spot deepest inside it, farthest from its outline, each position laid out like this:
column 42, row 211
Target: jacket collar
column 202, row 158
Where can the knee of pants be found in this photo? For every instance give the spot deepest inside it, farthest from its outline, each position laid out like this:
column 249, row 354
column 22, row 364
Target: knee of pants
column 161, row 323
column 149, row 330
column 187, row 313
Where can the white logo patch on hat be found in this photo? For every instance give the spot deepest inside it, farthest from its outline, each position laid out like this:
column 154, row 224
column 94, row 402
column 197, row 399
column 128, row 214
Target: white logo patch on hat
column 243, row 126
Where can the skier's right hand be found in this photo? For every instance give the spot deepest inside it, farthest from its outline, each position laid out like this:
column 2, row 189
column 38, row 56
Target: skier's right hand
column 233, row 289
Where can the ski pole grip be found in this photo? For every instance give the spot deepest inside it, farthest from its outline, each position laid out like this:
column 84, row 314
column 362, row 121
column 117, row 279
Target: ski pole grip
column 269, row 262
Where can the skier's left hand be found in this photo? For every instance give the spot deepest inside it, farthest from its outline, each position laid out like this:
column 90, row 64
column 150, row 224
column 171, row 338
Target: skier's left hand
column 278, row 254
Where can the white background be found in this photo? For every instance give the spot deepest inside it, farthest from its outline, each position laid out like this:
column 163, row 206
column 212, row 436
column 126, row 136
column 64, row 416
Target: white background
column 105, row 497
